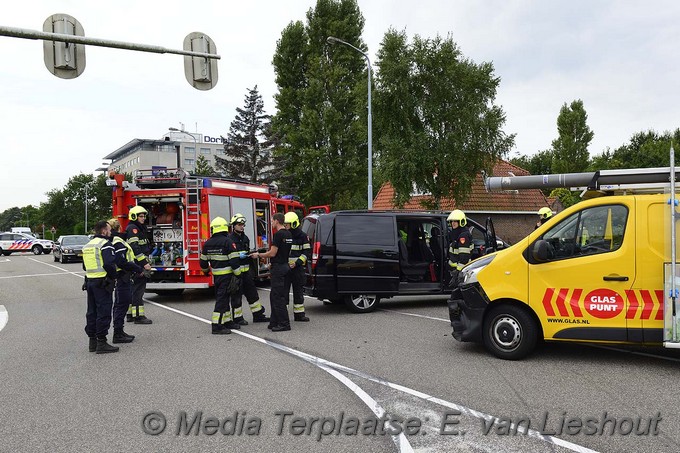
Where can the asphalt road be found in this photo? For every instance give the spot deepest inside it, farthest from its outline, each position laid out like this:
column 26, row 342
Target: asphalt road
column 320, row 387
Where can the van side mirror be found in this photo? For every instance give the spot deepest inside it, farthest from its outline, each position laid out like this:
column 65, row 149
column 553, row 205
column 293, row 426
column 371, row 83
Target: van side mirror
column 542, row 251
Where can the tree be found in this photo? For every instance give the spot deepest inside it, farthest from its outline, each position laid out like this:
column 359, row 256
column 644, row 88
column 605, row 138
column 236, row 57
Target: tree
column 644, row 150
column 437, row 122
column 248, row 146
column 570, row 149
column 321, row 106
column 203, row 167
column 538, row 164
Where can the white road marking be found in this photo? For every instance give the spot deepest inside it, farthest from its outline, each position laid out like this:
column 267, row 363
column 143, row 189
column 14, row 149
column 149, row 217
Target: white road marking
column 38, row 275
column 326, row 364
column 60, row 268
column 448, row 321
column 4, row 317
column 6, row 260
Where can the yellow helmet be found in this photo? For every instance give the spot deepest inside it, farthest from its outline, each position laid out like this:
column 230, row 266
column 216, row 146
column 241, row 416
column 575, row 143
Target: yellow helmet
column 238, row 218
column 545, row 213
column 218, row 225
column 457, row 216
column 292, row 218
column 135, row 211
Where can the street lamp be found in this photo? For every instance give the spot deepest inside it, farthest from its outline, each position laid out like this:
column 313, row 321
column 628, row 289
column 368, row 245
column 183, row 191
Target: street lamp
column 333, row 40
column 86, row 185
column 174, row 129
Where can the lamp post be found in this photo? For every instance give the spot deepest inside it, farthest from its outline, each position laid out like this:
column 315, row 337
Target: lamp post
column 174, row 129
column 333, row 40
column 86, row 185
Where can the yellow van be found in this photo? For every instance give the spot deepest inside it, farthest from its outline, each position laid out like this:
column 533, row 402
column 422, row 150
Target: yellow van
column 596, row 272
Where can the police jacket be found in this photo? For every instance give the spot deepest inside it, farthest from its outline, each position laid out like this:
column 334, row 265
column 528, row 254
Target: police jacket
column 125, row 257
column 99, row 260
column 217, row 253
column 241, row 244
column 301, row 249
column 138, row 238
column 460, row 247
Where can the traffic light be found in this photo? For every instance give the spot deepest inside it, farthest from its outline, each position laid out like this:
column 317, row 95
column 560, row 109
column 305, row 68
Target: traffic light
column 200, row 72
column 64, row 59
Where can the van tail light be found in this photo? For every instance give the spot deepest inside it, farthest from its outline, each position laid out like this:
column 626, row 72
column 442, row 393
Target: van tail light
column 315, row 254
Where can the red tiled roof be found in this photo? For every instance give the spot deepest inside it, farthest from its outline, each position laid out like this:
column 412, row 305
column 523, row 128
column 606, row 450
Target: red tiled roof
column 530, row 200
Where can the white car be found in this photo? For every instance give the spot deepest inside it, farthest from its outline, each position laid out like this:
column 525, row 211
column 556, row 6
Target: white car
column 20, row 242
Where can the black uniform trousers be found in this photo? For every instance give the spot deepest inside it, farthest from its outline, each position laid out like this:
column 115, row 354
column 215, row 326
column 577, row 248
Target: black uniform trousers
column 138, row 288
column 222, row 297
column 296, row 279
column 279, row 296
column 248, row 289
column 123, row 299
column 99, row 303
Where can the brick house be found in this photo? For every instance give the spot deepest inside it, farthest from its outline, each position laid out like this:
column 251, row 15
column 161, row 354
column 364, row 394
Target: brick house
column 514, row 213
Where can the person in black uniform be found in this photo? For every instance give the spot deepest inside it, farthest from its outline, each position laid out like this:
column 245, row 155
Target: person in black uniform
column 100, row 274
column 460, row 244
column 241, row 267
column 300, row 254
column 217, row 253
column 138, row 238
column 278, row 254
column 125, row 268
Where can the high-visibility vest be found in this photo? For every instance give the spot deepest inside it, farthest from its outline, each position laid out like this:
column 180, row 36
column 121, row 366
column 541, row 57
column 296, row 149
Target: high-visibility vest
column 129, row 254
column 92, row 258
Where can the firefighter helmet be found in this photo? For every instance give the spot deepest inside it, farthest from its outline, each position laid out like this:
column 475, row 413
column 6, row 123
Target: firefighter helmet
column 238, row 218
column 457, row 216
column 292, row 218
column 218, row 225
column 545, row 213
column 135, row 211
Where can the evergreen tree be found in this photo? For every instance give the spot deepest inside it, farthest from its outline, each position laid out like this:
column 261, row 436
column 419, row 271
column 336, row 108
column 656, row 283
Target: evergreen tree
column 203, row 167
column 248, row 146
column 321, row 106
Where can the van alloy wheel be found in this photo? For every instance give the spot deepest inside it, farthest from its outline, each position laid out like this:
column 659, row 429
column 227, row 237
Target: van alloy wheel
column 362, row 303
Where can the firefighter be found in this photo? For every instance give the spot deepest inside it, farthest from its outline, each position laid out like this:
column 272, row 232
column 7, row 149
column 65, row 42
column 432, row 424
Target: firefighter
column 300, row 253
column 460, row 244
column 100, row 275
column 138, row 239
column 240, row 263
column 278, row 253
column 216, row 254
column 543, row 215
column 125, row 268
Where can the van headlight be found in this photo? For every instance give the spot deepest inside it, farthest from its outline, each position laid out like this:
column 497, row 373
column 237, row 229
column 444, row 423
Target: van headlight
column 470, row 271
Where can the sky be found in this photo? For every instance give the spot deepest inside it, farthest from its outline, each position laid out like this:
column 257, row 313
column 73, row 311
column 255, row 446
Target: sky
column 618, row 56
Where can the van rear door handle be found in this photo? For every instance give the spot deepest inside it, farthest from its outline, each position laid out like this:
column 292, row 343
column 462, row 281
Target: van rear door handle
column 615, row 278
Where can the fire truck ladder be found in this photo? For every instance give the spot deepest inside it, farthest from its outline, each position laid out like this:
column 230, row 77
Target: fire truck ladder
column 192, row 215
column 621, row 182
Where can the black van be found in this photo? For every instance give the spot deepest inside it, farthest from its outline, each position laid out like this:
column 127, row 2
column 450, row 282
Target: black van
column 359, row 257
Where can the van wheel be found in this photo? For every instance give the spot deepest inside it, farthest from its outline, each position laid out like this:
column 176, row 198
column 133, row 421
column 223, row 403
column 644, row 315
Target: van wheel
column 6, row 253
column 362, row 303
column 510, row 332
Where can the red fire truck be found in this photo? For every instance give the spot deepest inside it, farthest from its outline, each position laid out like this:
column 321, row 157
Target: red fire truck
column 180, row 209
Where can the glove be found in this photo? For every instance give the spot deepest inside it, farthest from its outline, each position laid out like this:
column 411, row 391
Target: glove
column 109, row 284
column 84, row 287
column 243, row 255
column 146, row 273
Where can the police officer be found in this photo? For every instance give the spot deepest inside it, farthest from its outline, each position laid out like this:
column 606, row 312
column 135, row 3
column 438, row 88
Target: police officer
column 217, row 253
column 543, row 215
column 300, row 254
column 460, row 244
column 125, row 267
column 100, row 273
column 138, row 238
column 241, row 265
column 278, row 253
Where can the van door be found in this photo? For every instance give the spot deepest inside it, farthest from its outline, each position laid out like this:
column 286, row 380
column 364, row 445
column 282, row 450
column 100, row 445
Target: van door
column 580, row 292
column 366, row 254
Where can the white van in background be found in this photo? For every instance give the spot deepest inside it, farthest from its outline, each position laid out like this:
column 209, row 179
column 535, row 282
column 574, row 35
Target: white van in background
column 25, row 230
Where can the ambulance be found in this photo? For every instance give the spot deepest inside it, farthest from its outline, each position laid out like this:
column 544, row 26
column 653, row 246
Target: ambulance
column 598, row 272
column 180, row 208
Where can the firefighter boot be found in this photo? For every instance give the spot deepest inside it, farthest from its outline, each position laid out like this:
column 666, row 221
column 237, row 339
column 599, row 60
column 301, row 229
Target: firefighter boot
column 103, row 347
column 260, row 316
column 93, row 344
column 300, row 317
column 142, row 320
column 220, row 329
column 119, row 336
column 232, row 325
column 241, row 321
